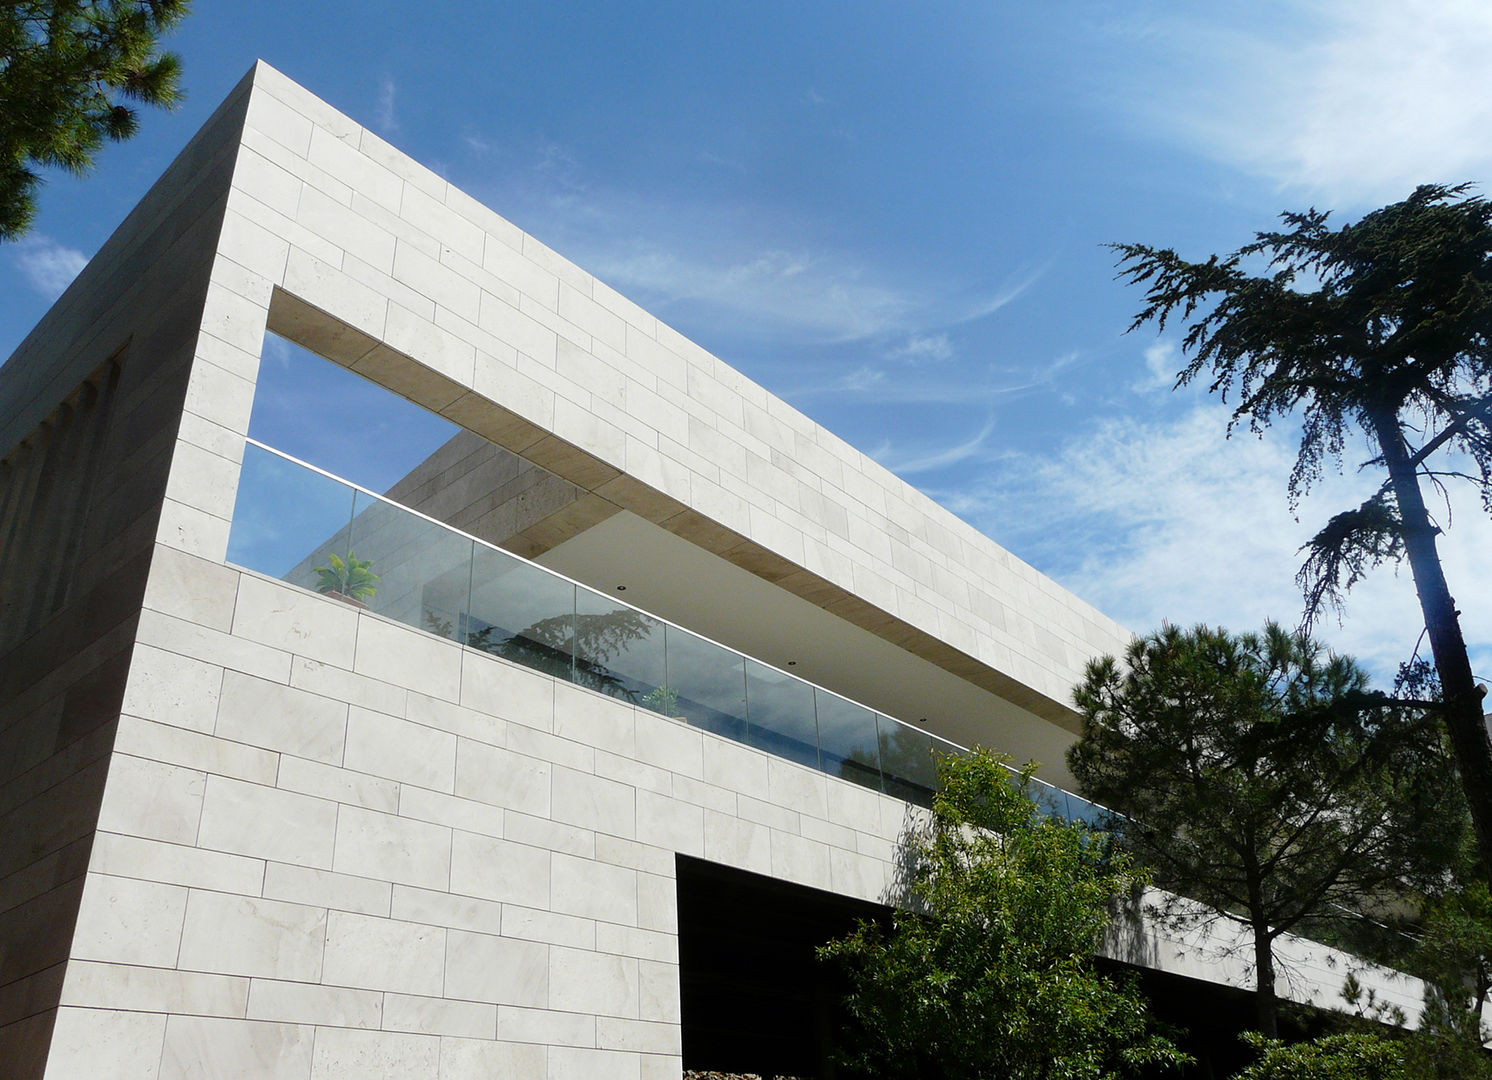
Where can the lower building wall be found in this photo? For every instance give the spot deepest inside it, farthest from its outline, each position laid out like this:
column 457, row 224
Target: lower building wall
column 331, row 845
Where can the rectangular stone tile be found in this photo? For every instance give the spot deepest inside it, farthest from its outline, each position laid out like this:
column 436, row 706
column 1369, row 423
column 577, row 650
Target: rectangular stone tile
column 194, row 750
column 340, row 785
column 441, row 809
column 439, row 1016
column 409, row 658
column 152, row 800
column 399, row 750
column 213, row 646
column 491, row 686
column 126, row 921
column 482, row 1057
column 533, row 924
column 191, row 588
column 493, row 869
column 152, row 989
column 658, row 991
column 177, row 864
column 384, row 954
column 591, row 802
column 262, row 822
column 635, row 942
column 322, row 888
column 451, row 910
column 614, row 1033
column 172, row 689
column 593, row 720
column 281, row 718
column 481, row 967
column 502, row 778
column 247, row 935
column 106, row 1044
column 658, row 903
column 371, row 844
column 545, row 1027
column 670, row 823
column 669, row 744
column 593, row 890
column 295, row 620
column 445, row 716
column 197, row 1047
column 309, row 1003
column 574, row 1063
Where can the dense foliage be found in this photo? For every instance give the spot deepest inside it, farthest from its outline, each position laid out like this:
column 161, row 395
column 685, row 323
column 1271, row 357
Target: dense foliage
column 1384, row 328
column 989, row 970
column 1257, row 775
column 71, row 72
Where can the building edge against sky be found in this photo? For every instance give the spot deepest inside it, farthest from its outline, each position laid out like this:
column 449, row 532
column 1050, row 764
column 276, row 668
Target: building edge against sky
column 248, row 826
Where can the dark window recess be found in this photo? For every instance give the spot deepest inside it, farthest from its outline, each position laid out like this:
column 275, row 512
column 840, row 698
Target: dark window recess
column 753, row 996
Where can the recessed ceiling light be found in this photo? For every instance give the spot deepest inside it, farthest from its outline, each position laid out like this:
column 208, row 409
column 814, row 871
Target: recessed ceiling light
column 921, row 719
column 621, row 588
column 792, row 663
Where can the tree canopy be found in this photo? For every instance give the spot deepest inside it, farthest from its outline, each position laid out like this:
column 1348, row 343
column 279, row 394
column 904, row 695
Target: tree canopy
column 70, row 73
column 1257, row 775
column 1384, row 328
column 989, row 970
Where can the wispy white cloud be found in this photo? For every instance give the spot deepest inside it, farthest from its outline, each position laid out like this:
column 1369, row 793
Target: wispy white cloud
column 920, row 348
column 49, row 267
column 752, row 269
column 1163, row 520
column 387, row 118
column 1354, row 101
column 925, row 461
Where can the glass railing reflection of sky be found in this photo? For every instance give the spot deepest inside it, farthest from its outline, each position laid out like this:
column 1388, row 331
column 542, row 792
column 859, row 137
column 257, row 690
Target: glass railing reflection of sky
column 291, row 519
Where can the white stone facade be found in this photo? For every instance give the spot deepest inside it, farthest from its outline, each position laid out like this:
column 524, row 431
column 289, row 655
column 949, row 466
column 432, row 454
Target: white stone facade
column 252, row 831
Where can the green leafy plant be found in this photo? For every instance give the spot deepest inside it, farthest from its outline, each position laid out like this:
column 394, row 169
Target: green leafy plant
column 351, row 577
column 986, row 968
column 663, row 699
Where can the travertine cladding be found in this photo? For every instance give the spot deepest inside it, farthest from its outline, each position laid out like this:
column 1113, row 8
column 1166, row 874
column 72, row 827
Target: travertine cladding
column 412, row 267
column 331, row 845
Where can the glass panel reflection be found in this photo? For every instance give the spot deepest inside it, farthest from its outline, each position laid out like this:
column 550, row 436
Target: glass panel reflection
column 780, row 710
column 907, row 762
column 848, row 744
column 619, row 650
column 1050, row 801
column 520, row 613
column 706, row 684
column 421, row 571
column 284, row 510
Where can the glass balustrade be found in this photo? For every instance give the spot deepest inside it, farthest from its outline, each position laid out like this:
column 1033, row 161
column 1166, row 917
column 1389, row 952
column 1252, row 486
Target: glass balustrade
column 313, row 530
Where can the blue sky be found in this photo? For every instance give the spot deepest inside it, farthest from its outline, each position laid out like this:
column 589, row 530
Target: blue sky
column 893, row 216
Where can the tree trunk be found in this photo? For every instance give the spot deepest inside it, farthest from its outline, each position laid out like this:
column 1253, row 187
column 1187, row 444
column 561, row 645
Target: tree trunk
column 1462, row 700
column 1266, row 1004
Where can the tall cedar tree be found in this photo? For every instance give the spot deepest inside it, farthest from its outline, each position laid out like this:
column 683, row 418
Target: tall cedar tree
column 989, row 969
column 1382, row 327
column 69, row 72
column 1253, row 779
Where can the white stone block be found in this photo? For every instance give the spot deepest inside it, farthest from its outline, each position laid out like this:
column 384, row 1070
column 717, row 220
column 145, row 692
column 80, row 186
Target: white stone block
column 440, row 908
column 371, row 844
column 399, row 750
column 322, row 888
column 592, row 982
column 309, row 1003
column 123, row 921
column 152, row 800
column 105, row 1044
column 506, row 971
column 198, row 1047
column 493, row 869
column 153, row 989
column 172, row 689
column 177, row 864
column 573, row 1063
column 262, row 822
column 194, row 750
column 498, row 1060
column 439, row 1016
column 247, row 935
column 296, row 621
column 500, row 777
column 544, row 1027
column 384, row 954
column 339, row 785
column 670, row 823
column 407, row 657
column 591, row 802
column 593, row 890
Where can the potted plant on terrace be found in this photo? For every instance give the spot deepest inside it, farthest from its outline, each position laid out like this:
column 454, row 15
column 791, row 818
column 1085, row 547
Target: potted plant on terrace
column 350, row 580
